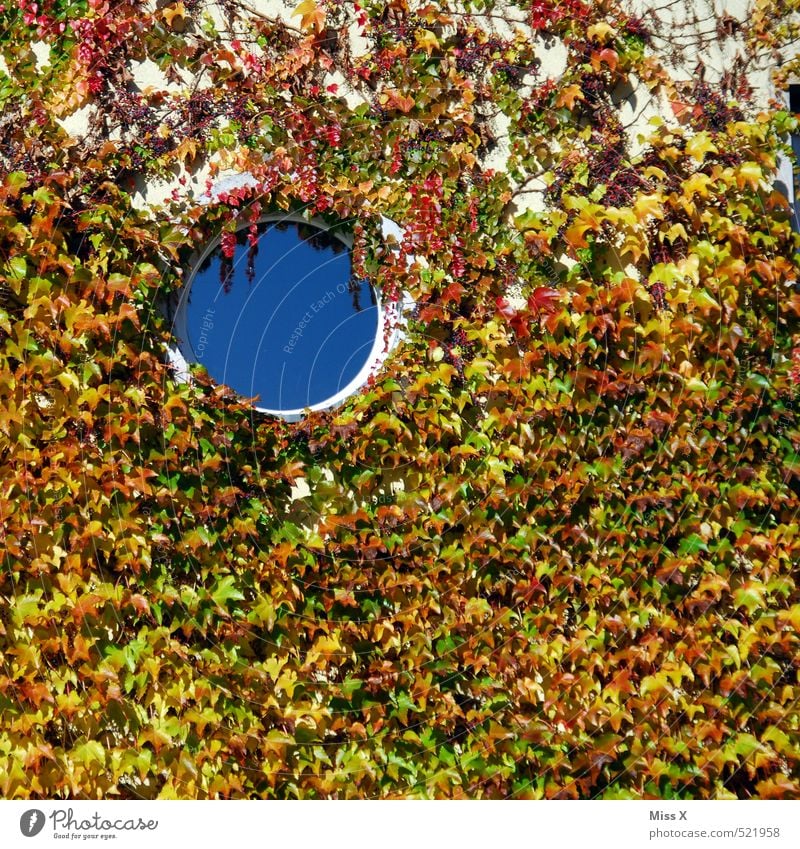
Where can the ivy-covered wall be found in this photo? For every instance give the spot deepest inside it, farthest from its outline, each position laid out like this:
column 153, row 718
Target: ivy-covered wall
column 549, row 551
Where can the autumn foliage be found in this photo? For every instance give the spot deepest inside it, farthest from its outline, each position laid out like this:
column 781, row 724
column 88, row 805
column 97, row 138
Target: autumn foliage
column 549, row 552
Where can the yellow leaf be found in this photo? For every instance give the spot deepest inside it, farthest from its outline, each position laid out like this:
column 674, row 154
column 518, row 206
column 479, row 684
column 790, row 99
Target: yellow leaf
column 694, row 384
column 697, row 184
column 648, row 205
column 703, row 299
column 699, row 145
column 175, row 16
column 620, row 216
column 633, row 248
column 327, row 645
column 665, row 272
column 601, row 31
column 652, row 171
column 427, row 41
column 304, row 8
column 688, row 207
column 749, row 173
column 690, row 267
column 675, row 232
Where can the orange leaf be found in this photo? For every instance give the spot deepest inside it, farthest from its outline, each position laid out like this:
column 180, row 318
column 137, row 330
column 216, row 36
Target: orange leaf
column 86, row 605
column 567, row 96
column 575, row 236
column 679, row 108
column 311, row 16
column 186, row 150
column 394, row 100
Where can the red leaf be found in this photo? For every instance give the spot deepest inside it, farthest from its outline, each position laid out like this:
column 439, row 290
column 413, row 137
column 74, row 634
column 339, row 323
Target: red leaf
column 504, row 308
column 543, row 299
column 610, row 57
column 453, row 293
column 520, row 326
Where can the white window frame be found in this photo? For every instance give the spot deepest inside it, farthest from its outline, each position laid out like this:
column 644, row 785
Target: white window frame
column 392, row 316
column 785, row 181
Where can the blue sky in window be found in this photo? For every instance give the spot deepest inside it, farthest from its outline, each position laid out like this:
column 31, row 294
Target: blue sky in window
column 282, row 321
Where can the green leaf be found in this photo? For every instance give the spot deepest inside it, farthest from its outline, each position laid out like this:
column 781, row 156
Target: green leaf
column 226, row 590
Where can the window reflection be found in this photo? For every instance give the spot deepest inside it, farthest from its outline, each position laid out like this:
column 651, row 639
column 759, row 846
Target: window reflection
column 283, row 318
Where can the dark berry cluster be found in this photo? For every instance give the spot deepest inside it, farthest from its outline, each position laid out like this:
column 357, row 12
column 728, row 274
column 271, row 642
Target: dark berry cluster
column 554, row 191
column 713, row 113
column 458, row 352
column 131, row 110
column 605, row 162
column 159, row 146
column 653, row 159
column 200, row 110
column 226, row 274
column 394, row 24
column 400, row 32
column 250, row 272
column 381, row 114
column 457, row 362
column 593, row 87
column 237, row 107
column 658, row 296
column 663, row 252
column 623, row 187
column 512, row 73
column 136, row 158
column 728, row 158
column 472, row 54
column 637, row 27
column 429, row 134
column 458, row 339
column 143, row 123
column 606, row 159
column 423, row 142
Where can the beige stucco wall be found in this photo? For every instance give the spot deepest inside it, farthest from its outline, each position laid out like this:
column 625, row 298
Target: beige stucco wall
column 686, row 37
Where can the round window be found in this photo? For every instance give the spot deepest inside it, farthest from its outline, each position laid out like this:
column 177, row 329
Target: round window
column 277, row 315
